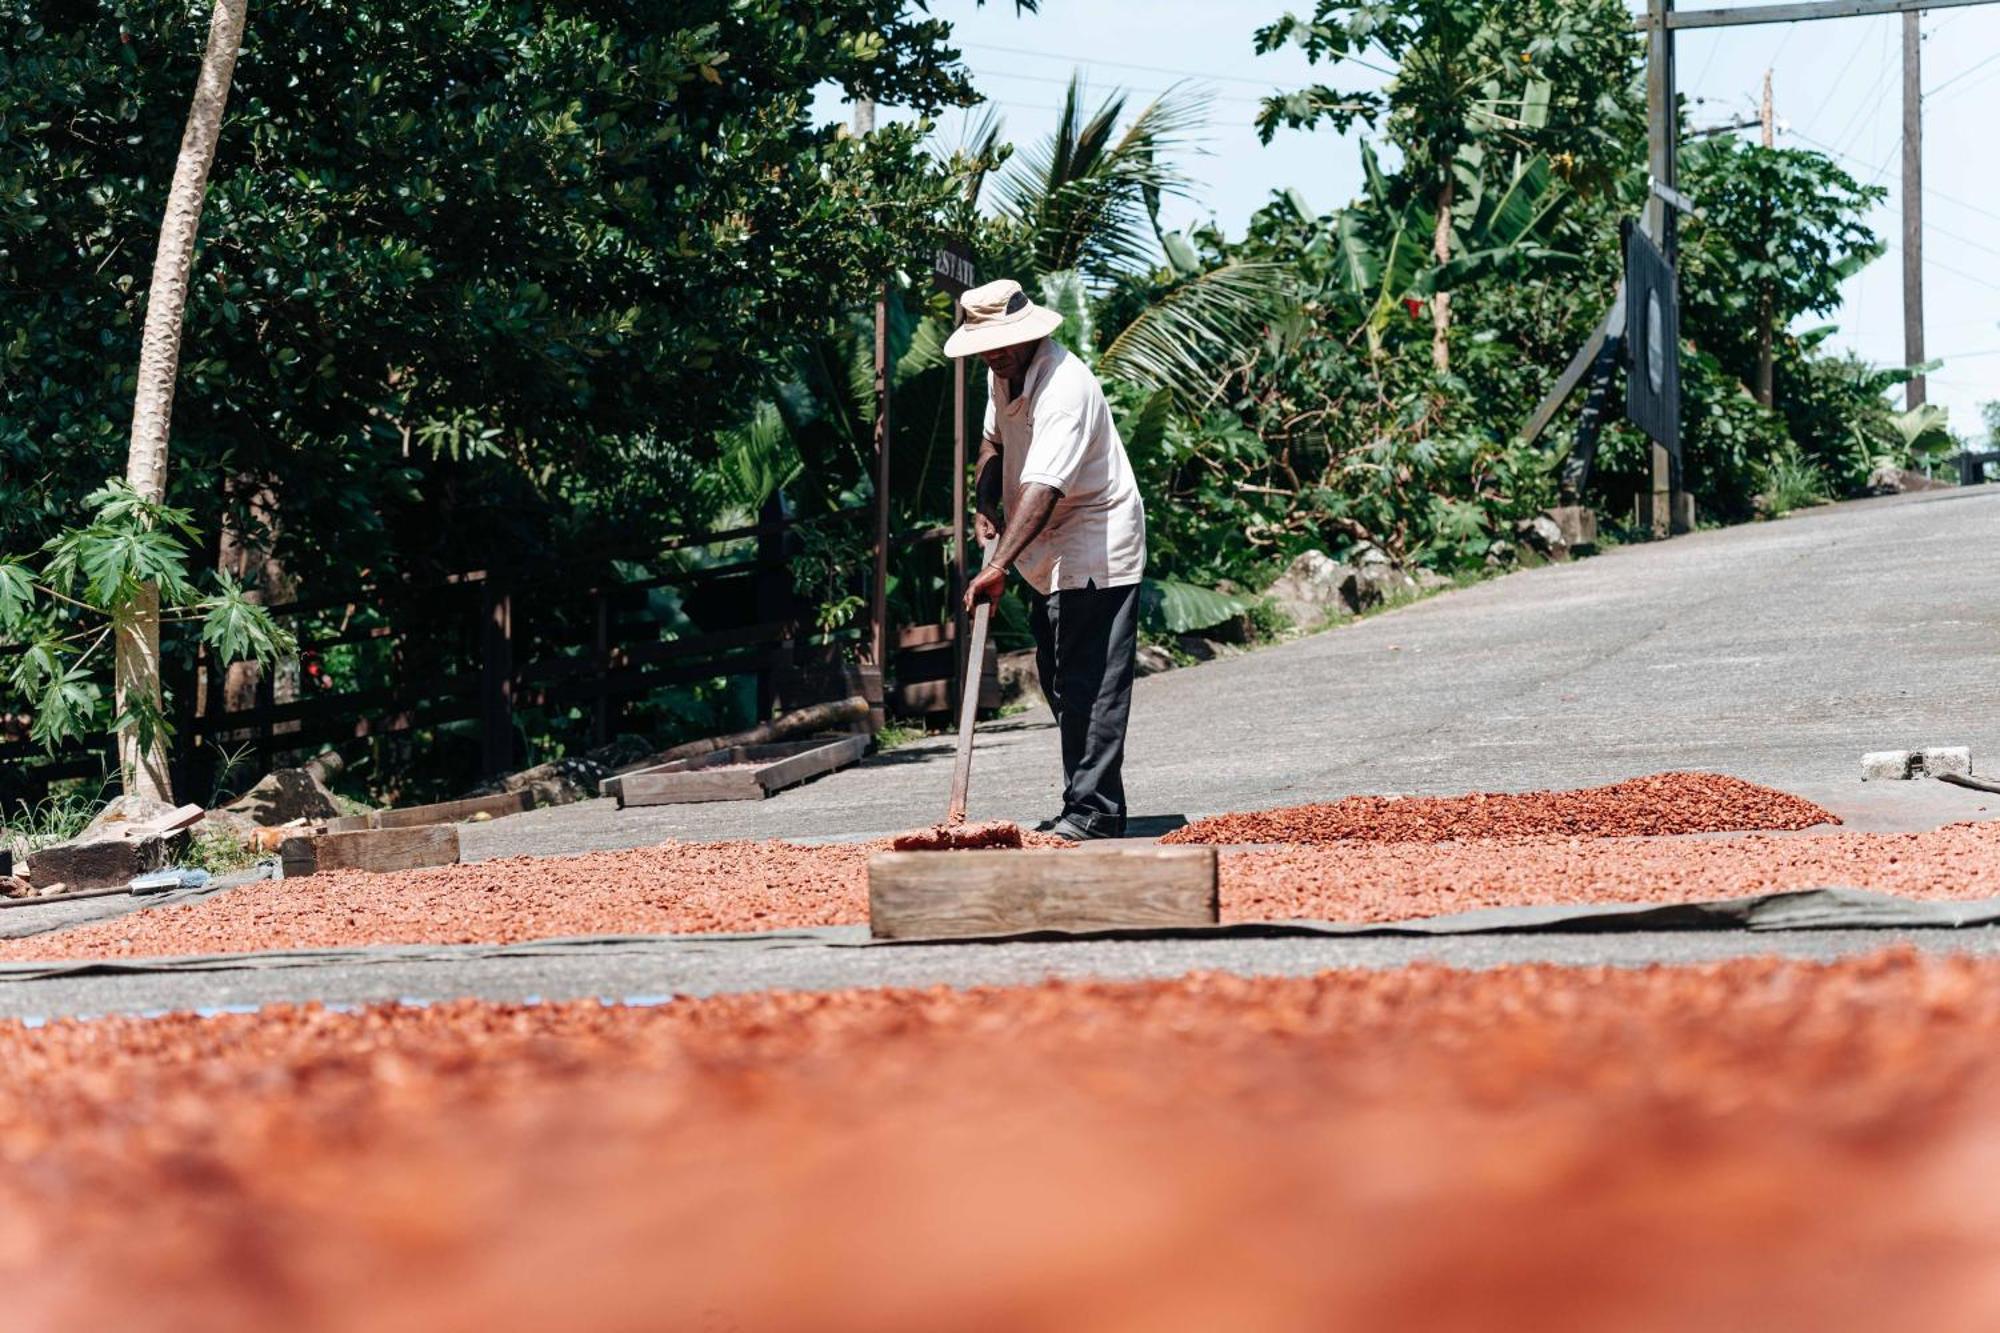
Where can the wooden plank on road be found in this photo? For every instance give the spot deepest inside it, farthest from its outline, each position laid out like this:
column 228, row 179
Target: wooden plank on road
column 947, row 895
column 442, row 812
column 739, row 773
column 370, row 849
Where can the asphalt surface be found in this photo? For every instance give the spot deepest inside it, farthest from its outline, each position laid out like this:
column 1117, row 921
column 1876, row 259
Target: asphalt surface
column 691, row 966
column 1778, row 652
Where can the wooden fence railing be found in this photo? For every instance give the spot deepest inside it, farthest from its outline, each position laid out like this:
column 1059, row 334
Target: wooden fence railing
column 473, row 652
column 476, row 649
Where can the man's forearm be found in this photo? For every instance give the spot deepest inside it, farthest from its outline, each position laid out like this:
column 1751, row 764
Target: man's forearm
column 1025, row 524
column 986, row 480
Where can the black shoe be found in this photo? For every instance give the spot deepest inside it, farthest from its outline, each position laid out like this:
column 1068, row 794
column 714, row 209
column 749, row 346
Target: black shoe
column 1074, row 831
column 1048, row 825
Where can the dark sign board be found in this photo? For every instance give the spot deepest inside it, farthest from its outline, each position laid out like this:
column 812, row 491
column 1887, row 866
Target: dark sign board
column 951, row 265
column 1652, row 343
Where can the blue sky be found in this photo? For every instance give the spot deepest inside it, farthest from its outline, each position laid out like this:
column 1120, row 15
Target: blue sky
column 1837, row 88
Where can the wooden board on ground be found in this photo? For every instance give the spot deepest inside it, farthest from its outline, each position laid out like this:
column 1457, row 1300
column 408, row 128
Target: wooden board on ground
column 950, row 895
column 370, row 849
column 739, row 773
column 443, row 812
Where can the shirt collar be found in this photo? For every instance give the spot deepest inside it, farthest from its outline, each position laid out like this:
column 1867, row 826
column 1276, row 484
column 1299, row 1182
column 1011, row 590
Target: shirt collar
column 1046, row 357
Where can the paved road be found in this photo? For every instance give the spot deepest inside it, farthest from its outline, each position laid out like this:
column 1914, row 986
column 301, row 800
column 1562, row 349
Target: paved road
column 665, row 967
column 1777, row 652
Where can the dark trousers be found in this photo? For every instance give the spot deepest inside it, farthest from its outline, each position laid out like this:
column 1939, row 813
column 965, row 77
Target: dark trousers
column 1086, row 641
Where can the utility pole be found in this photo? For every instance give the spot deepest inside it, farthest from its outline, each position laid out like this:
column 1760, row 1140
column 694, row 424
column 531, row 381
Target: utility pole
column 1913, row 207
column 1764, row 315
column 1663, row 125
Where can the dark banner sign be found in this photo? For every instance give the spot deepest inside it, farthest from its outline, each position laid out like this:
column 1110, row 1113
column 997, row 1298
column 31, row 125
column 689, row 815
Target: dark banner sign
column 1652, row 344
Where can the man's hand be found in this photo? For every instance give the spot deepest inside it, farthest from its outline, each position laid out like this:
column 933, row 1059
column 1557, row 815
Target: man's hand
column 986, row 586
column 985, row 527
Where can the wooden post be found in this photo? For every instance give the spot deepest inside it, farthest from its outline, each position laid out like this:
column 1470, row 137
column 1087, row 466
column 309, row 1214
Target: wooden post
column 1913, row 207
column 878, row 595
column 600, row 710
column 1765, row 116
column 496, row 678
column 1662, row 116
column 774, row 593
column 958, row 521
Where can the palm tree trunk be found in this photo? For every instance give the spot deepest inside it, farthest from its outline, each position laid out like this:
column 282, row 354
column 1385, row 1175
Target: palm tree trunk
column 138, row 650
column 1441, row 301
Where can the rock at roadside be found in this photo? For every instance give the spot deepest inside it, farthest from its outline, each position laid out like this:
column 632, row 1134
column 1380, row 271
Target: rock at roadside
column 558, row 782
column 284, row 795
column 1313, row 590
column 1376, row 579
column 1202, row 649
column 1544, row 536
column 1888, row 479
column 1020, row 678
column 1151, row 660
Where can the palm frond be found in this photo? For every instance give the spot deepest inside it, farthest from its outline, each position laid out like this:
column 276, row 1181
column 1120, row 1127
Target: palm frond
column 978, row 143
column 1086, row 195
column 1189, row 339
column 1063, row 292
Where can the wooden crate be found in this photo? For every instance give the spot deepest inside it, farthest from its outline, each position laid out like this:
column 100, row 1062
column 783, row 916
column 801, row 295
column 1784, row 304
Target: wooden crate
column 740, row 773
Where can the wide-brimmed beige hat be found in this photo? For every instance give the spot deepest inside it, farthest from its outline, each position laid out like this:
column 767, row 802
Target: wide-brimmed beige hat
column 999, row 315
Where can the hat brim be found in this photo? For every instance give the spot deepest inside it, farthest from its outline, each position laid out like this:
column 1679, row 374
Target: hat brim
column 1036, row 321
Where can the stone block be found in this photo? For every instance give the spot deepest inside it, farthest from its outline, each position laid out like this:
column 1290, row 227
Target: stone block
column 1956, row 759
column 1889, row 765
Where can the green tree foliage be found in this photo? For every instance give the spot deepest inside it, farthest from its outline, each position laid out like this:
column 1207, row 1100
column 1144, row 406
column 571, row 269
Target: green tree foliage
column 1779, row 229
column 64, row 612
column 460, row 259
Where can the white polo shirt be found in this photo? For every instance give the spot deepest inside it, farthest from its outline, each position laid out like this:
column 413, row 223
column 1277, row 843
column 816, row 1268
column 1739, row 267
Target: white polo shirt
column 1059, row 433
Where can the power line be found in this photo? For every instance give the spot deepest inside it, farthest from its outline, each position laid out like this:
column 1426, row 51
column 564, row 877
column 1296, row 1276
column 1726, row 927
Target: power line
column 1878, row 170
column 1963, row 240
column 1859, row 41
column 1160, row 69
column 1933, row 262
column 1960, row 75
column 1151, row 92
column 1858, row 118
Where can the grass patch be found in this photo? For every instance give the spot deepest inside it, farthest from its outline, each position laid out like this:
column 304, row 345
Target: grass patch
column 57, row 817
column 1792, row 482
column 217, row 852
column 894, row 734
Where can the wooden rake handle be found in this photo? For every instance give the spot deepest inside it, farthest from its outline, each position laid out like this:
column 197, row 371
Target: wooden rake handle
column 968, row 704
